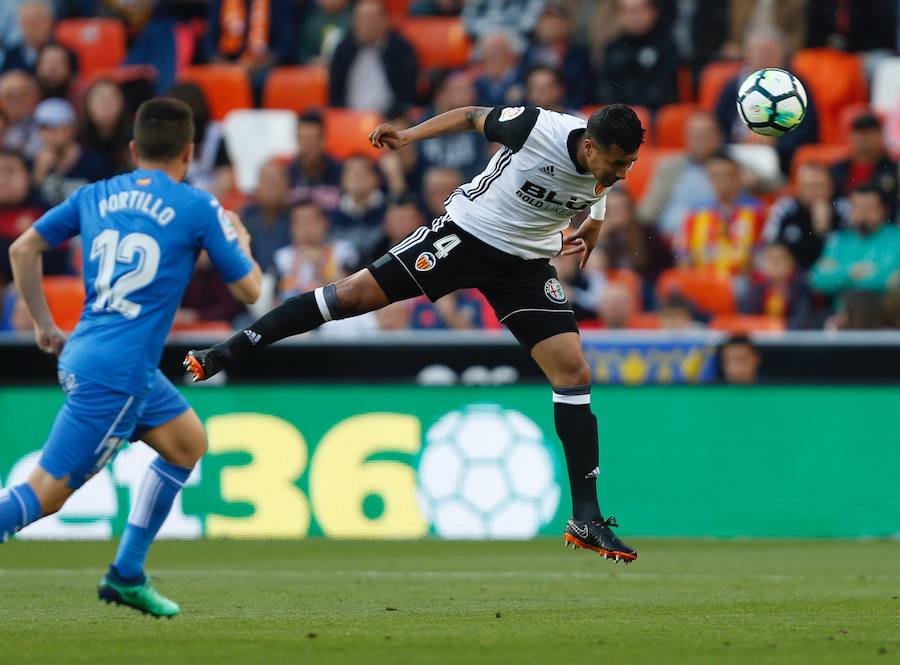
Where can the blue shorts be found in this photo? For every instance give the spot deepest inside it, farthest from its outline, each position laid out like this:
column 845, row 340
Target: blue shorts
column 96, row 421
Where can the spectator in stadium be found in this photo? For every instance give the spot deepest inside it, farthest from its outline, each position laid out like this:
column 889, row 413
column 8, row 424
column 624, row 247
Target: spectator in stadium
column 788, row 16
column 19, row 204
column 256, row 34
column 373, row 68
column 360, row 211
column 631, row 245
column 803, row 221
column 402, row 169
column 866, row 256
column 617, row 306
column 483, row 16
column 764, row 46
column 36, row 31
column 499, row 52
column 722, row 234
column 106, row 124
column 401, row 218
column 211, row 168
column 62, row 165
column 207, row 298
column 677, row 314
column 314, row 174
column 778, row 290
column 266, row 216
column 869, row 163
column 56, row 72
column 739, row 361
column 19, row 96
column 466, row 151
column 438, row 184
column 640, row 65
column 15, row 315
column 324, row 26
column 681, row 182
column 852, row 26
column 544, row 87
column 466, row 309
column 310, row 260
column 553, row 48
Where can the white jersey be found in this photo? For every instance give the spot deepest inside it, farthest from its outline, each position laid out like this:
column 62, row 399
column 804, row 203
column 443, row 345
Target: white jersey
column 525, row 198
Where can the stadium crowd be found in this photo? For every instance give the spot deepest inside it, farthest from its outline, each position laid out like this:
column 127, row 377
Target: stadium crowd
column 716, row 226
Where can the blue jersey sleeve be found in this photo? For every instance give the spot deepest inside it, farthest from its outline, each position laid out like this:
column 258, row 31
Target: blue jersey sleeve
column 219, row 238
column 60, row 223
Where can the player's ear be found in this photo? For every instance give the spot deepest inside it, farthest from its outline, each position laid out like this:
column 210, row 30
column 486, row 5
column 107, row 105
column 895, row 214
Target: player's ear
column 132, row 148
column 187, row 156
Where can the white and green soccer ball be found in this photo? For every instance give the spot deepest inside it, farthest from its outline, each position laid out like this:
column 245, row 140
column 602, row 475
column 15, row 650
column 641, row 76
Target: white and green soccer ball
column 486, row 472
column 771, row 102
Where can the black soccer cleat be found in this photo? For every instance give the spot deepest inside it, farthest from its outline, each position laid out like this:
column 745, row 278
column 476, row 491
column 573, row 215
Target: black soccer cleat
column 206, row 363
column 596, row 535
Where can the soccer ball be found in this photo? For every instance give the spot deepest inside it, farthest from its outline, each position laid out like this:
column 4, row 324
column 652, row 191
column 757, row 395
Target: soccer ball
column 486, row 472
column 771, row 102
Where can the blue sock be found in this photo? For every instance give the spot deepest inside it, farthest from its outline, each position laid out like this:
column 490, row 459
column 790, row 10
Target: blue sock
column 19, row 507
column 148, row 512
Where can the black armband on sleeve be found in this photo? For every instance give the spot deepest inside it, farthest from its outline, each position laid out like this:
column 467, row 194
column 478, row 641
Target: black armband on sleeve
column 510, row 125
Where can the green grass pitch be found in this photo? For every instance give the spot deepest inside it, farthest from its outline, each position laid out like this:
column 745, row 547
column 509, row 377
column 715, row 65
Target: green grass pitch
column 321, row 602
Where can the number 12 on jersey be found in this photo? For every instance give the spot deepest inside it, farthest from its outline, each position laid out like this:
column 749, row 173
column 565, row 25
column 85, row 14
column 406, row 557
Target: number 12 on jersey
column 108, row 250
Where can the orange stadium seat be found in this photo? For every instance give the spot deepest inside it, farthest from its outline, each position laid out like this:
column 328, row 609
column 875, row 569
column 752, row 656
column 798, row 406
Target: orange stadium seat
column 642, row 112
column 99, row 43
column 835, row 79
column 347, row 132
column 65, row 296
column 713, row 78
column 670, row 122
column 296, row 88
column 226, row 87
column 441, row 43
column 397, row 8
column 824, row 153
column 638, row 179
column 708, row 292
column 744, row 324
column 630, row 279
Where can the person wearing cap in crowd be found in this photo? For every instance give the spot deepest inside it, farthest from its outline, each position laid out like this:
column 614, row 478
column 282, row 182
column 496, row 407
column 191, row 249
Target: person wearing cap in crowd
column 868, row 164
column 62, row 165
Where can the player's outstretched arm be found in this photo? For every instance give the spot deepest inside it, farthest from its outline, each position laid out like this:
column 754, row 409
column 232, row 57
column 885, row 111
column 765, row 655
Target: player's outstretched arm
column 464, row 119
column 28, row 272
column 247, row 289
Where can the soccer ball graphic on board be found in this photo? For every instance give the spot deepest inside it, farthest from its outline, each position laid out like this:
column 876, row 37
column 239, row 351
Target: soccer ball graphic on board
column 486, row 472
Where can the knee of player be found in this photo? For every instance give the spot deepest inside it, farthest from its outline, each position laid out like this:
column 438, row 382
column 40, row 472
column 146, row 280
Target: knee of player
column 356, row 295
column 190, row 449
column 574, row 373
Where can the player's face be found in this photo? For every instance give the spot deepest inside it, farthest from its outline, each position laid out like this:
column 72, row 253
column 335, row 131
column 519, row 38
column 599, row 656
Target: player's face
column 609, row 164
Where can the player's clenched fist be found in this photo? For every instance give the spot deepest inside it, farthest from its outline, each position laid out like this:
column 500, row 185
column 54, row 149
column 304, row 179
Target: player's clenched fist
column 387, row 135
column 50, row 339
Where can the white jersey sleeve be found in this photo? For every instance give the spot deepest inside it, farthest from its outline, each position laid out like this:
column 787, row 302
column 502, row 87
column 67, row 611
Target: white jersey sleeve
column 598, row 209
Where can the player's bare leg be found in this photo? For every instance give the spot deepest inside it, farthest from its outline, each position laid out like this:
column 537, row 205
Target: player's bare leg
column 562, row 361
column 357, row 294
column 181, row 442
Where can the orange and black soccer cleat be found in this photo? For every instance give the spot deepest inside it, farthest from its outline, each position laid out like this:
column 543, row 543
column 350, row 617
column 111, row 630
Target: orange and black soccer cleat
column 596, row 535
column 206, row 363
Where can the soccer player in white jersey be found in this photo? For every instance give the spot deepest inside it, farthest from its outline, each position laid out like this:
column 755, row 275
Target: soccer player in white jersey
column 498, row 236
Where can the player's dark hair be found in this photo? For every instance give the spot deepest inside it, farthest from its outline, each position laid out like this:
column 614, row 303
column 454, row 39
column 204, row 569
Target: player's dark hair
column 162, row 129
column 616, row 124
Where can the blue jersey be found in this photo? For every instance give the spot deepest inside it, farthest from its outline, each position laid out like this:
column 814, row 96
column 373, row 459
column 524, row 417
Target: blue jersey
column 141, row 233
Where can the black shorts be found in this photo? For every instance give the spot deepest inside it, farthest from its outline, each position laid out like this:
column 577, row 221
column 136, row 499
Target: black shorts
column 442, row 258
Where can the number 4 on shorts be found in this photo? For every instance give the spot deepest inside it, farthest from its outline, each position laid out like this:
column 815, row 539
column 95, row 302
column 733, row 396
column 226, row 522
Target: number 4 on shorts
column 445, row 244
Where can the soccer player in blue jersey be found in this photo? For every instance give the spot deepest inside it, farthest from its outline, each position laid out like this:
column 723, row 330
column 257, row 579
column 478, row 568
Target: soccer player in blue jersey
column 141, row 233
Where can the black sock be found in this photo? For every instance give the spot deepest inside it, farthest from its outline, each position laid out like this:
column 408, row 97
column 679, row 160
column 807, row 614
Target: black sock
column 294, row 316
column 577, row 429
